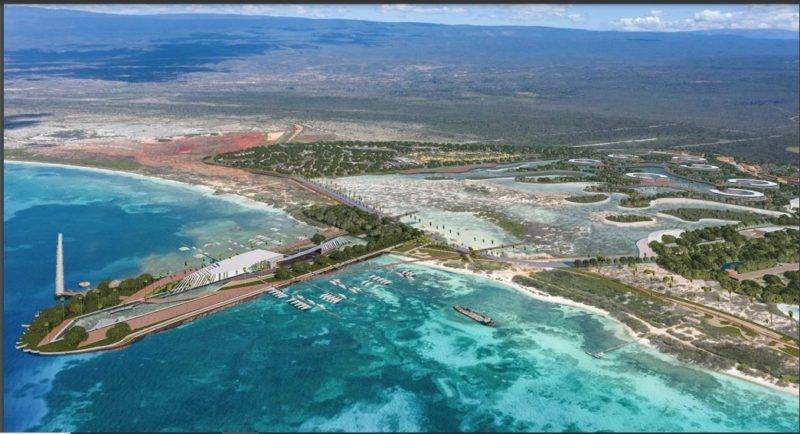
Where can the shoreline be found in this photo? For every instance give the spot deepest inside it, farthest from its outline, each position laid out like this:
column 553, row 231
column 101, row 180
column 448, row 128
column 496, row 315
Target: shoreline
column 203, row 189
column 685, row 201
column 498, row 277
column 639, row 224
column 702, row 220
column 542, row 296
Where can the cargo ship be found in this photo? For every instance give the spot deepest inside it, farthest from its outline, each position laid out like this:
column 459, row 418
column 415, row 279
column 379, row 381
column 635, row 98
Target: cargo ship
column 475, row 316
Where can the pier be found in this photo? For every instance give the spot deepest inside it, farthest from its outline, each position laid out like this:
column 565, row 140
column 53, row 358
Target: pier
column 191, row 309
column 601, row 354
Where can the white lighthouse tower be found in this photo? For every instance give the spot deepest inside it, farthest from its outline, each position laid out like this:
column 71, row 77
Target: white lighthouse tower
column 59, row 267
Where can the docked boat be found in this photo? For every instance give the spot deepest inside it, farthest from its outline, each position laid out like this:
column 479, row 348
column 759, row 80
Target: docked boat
column 298, row 304
column 380, row 280
column 475, row 316
column 405, row 274
column 331, row 298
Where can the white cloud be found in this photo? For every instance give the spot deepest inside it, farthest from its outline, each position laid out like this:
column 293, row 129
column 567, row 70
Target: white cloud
column 649, row 22
column 784, row 17
column 422, row 9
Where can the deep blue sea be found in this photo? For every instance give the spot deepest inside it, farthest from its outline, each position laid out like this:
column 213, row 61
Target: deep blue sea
column 390, row 358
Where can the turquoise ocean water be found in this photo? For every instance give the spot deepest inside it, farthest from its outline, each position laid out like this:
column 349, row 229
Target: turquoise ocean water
column 390, row 358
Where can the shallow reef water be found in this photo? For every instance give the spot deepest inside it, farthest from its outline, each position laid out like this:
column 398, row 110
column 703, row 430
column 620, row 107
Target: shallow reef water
column 394, row 357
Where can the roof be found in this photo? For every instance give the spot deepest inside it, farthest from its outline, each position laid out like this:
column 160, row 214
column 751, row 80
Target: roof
column 243, row 260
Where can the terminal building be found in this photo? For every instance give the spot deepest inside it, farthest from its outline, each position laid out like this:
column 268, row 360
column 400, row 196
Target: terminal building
column 256, row 261
column 247, row 262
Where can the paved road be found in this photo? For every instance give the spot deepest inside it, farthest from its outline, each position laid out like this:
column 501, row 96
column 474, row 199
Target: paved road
column 191, row 309
column 741, row 322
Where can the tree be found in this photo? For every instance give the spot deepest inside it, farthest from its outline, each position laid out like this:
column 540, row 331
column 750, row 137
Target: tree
column 119, row 331
column 75, row 336
column 283, row 273
column 322, row 260
column 318, row 238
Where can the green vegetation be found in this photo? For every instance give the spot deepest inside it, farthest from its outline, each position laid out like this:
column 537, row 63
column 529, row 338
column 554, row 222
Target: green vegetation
column 699, row 255
column 617, row 298
column 379, row 233
column 602, row 260
column 511, row 225
column 587, row 198
column 118, row 331
column 721, row 331
column 346, row 158
column 628, row 218
column 718, row 347
column 551, row 180
column 93, row 300
column 695, row 214
column 317, row 238
column 762, row 359
column 793, row 149
column 636, row 200
column 438, row 178
column 75, row 336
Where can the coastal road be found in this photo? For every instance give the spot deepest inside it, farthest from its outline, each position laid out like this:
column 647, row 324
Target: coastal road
column 740, row 322
column 194, row 308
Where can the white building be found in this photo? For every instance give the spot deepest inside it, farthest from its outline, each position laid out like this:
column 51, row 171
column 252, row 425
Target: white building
column 794, row 203
column 247, row 262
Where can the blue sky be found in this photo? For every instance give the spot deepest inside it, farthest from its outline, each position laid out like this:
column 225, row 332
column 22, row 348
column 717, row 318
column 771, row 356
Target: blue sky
column 592, row 17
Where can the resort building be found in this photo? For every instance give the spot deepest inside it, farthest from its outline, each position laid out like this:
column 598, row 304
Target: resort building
column 753, row 183
column 650, row 178
column 585, row 161
column 739, row 193
column 247, row 262
column 686, row 158
column 700, row 166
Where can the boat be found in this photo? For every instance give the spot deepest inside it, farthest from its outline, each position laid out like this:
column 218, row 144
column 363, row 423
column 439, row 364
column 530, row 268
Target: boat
column 596, row 355
column 475, row 316
column 405, row 274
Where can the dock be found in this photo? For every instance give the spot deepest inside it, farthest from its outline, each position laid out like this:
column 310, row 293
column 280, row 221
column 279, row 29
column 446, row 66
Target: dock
column 277, row 293
column 301, row 305
column 601, row 354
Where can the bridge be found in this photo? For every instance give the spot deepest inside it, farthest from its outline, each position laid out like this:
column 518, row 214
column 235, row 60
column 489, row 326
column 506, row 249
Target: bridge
column 399, row 216
column 337, row 196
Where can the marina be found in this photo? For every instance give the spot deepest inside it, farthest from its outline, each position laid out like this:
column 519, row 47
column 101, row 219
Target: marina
column 299, row 304
column 331, row 298
column 379, row 280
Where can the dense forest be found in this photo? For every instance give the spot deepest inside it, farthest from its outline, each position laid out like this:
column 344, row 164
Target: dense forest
column 707, row 253
column 628, row 218
column 347, row 158
column 379, row 233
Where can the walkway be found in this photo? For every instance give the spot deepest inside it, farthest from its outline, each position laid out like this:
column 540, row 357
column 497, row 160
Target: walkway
column 777, row 270
column 194, row 308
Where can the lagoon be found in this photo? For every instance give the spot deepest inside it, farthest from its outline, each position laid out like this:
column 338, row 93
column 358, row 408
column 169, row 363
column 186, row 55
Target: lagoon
column 393, row 358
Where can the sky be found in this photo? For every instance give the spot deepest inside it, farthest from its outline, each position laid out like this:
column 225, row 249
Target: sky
column 643, row 17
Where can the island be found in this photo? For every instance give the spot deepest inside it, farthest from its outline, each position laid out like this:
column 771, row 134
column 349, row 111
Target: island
column 588, row 198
